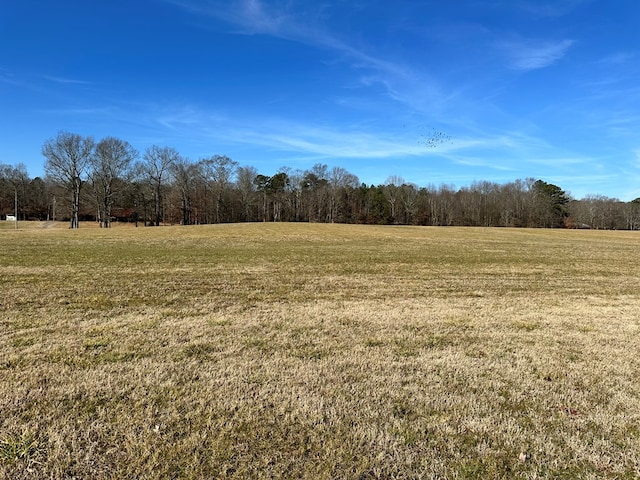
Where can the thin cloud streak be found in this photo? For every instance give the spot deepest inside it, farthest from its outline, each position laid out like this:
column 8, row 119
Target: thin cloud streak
column 254, row 18
column 251, row 17
column 199, row 126
column 550, row 8
column 66, row 81
column 302, row 140
column 526, row 55
column 93, row 112
column 327, row 143
column 620, row 58
column 8, row 78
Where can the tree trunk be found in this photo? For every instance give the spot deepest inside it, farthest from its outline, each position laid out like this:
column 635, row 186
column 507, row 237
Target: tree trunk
column 75, row 203
column 107, row 206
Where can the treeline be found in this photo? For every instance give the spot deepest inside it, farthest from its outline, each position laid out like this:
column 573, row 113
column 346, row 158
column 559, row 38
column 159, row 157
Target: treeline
column 110, row 181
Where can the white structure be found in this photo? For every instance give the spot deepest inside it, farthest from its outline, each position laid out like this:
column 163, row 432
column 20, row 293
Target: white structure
column 11, row 218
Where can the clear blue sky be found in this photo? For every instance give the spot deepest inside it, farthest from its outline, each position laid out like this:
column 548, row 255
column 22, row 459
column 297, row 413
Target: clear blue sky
column 524, row 88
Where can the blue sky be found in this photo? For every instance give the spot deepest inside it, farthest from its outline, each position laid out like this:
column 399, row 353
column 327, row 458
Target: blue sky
column 524, row 88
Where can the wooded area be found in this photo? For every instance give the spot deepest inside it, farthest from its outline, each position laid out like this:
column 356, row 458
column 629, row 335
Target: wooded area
column 109, row 181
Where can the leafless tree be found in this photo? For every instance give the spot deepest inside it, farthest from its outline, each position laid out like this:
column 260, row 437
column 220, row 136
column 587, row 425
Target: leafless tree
column 315, row 187
column 111, row 161
column 185, row 175
column 156, row 168
column 294, row 191
column 245, row 184
column 392, row 193
column 67, row 157
column 339, row 180
column 409, row 193
column 219, row 171
column 631, row 214
column 17, row 178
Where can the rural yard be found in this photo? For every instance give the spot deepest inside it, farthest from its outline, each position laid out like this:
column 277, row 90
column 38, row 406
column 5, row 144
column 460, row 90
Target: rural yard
column 319, row 351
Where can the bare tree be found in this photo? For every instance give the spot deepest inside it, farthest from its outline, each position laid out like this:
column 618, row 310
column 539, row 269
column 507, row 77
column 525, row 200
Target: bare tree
column 17, row 178
column 67, row 157
column 392, row 193
column 295, row 188
column 315, row 185
column 157, row 168
column 631, row 212
column 219, row 171
column 514, row 203
column 339, row 181
column 244, row 183
column 185, row 175
column 408, row 194
column 111, row 161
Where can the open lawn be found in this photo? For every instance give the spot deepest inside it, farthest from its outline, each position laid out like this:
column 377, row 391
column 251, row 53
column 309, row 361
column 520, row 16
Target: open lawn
column 318, row 351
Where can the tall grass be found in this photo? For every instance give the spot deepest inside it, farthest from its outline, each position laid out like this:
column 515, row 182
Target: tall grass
column 319, row 351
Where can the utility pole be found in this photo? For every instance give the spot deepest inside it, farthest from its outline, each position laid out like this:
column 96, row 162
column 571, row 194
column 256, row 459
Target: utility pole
column 15, row 191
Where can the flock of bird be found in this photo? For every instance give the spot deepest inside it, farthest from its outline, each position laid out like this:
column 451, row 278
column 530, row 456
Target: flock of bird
column 435, row 138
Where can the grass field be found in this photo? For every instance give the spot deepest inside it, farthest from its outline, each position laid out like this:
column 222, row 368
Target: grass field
column 318, row 351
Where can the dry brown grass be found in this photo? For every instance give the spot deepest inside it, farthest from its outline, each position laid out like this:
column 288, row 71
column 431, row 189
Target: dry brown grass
column 319, row 351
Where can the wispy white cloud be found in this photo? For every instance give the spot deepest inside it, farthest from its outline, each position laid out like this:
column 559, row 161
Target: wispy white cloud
column 518, row 151
column 195, row 126
column 636, row 158
column 253, row 17
column 34, row 82
column 9, row 78
column 185, row 117
column 549, row 8
column 302, row 141
column 248, row 17
column 86, row 111
column 481, row 162
column 622, row 124
column 332, row 144
column 619, row 58
column 326, row 142
column 281, row 20
column 527, row 54
column 65, row 81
